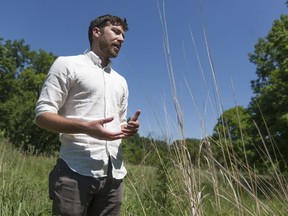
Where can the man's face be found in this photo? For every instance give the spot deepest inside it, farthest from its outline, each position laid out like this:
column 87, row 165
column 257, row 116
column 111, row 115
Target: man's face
column 110, row 40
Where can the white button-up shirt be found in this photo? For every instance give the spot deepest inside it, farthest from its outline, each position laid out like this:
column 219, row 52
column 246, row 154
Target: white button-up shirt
column 78, row 87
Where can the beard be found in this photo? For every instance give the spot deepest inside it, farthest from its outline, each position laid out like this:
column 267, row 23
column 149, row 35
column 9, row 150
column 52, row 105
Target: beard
column 108, row 49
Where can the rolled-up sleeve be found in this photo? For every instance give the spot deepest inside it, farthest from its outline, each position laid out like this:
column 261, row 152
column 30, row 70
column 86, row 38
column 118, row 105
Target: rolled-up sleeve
column 55, row 88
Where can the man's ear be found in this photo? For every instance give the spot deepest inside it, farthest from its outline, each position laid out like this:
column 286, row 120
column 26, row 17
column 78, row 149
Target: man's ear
column 96, row 32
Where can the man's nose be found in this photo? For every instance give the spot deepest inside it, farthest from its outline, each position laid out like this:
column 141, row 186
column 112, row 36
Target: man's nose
column 120, row 38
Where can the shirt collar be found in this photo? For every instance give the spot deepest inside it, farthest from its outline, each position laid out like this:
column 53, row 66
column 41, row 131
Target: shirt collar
column 95, row 59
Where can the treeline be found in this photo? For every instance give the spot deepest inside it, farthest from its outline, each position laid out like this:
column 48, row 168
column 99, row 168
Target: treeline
column 257, row 134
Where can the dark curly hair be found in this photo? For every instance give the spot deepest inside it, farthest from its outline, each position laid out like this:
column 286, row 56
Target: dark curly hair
column 103, row 21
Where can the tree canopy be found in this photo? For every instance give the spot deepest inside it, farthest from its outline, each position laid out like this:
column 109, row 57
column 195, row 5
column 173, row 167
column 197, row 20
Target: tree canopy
column 269, row 106
column 22, row 73
column 232, row 132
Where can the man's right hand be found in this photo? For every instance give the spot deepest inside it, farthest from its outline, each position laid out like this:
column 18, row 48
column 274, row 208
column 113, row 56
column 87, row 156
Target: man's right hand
column 59, row 124
column 97, row 130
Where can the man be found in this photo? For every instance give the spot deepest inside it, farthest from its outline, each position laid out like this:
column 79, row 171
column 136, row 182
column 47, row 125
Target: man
column 85, row 101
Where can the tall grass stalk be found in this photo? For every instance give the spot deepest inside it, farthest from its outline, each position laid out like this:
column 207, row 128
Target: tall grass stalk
column 182, row 155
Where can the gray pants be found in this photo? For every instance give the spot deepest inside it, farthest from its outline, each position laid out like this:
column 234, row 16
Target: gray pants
column 75, row 194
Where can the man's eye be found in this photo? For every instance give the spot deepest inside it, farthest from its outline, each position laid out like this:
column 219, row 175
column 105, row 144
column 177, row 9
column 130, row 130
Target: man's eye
column 117, row 32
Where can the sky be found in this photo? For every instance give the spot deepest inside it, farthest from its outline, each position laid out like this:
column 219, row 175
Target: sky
column 209, row 42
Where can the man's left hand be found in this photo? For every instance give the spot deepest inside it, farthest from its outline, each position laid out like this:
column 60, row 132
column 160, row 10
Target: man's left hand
column 131, row 128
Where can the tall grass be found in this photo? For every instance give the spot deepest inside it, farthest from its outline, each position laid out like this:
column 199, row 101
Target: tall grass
column 231, row 187
column 23, row 182
column 176, row 187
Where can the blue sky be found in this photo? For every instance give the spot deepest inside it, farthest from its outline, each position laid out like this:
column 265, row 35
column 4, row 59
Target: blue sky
column 232, row 30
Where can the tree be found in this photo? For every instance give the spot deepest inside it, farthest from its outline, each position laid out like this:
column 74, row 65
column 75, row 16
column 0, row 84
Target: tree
column 231, row 135
column 22, row 73
column 269, row 106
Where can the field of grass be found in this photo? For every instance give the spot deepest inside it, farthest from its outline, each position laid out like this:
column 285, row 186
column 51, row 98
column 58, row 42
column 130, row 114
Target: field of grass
column 23, row 182
column 169, row 189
